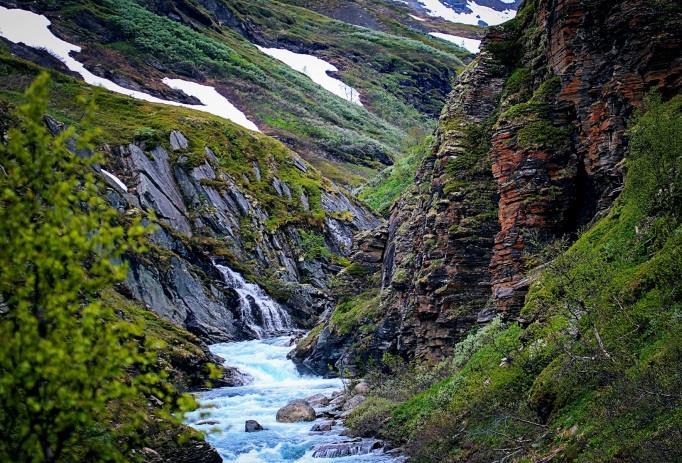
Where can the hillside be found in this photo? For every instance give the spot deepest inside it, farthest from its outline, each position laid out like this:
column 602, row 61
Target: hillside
column 402, row 80
column 472, row 273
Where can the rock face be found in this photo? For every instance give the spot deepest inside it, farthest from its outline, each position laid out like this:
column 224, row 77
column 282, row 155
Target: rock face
column 295, row 411
column 528, row 150
column 207, row 217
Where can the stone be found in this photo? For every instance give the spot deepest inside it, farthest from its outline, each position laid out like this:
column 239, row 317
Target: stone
column 300, row 165
column 324, row 426
column 296, row 411
column 207, row 422
column 337, row 402
column 362, row 388
column 318, row 400
column 178, row 141
column 353, row 402
column 253, row 426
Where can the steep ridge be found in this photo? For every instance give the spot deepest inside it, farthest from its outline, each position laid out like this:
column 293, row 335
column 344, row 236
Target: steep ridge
column 528, row 151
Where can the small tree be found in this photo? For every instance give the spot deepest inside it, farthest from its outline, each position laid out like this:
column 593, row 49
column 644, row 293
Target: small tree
column 64, row 357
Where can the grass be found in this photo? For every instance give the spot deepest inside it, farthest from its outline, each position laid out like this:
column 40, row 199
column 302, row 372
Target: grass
column 382, row 191
column 356, row 312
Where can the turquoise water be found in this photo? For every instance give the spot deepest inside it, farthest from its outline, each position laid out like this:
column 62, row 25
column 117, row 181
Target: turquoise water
column 276, row 382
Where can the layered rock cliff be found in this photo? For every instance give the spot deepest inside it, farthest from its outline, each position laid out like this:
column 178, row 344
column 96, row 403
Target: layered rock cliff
column 528, row 151
column 248, row 204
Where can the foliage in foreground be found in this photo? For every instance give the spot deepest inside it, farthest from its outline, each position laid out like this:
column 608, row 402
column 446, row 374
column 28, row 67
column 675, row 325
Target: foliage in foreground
column 595, row 375
column 68, row 364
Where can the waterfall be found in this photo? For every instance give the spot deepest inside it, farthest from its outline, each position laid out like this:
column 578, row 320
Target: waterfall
column 258, row 311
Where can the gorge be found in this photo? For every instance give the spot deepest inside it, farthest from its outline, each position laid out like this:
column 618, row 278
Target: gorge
column 438, row 231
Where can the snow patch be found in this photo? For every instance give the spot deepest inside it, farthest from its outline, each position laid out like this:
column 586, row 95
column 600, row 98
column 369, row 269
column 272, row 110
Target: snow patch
column 417, row 18
column 31, row 29
column 478, row 13
column 213, row 101
column 316, row 69
column 115, row 179
column 471, row 45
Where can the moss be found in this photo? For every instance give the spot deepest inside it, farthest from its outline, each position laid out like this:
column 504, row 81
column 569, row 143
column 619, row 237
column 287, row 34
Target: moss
column 355, row 312
column 542, row 134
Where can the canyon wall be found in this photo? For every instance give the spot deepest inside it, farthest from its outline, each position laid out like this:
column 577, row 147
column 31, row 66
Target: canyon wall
column 529, row 149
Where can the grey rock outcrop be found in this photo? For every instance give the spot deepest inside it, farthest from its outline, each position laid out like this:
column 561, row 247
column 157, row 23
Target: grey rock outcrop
column 205, row 213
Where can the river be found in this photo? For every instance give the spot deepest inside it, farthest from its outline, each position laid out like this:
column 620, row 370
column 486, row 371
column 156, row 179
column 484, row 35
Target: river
column 276, row 382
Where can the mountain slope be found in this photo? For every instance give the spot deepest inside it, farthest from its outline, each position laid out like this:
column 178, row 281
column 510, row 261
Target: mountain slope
column 402, row 81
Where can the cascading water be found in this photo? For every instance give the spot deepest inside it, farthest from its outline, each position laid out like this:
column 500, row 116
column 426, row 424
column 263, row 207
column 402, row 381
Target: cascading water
column 263, row 316
column 276, row 381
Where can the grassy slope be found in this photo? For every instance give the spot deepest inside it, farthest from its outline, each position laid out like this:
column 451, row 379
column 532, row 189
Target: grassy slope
column 389, row 16
column 388, row 70
column 381, row 192
column 122, row 120
column 595, row 374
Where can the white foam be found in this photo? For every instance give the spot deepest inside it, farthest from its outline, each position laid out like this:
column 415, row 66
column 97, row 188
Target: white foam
column 276, row 382
column 31, row 29
column 478, row 13
column 316, row 69
column 471, row 45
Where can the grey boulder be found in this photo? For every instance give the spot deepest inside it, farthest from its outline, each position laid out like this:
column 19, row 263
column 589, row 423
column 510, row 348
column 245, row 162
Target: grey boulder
column 296, row 411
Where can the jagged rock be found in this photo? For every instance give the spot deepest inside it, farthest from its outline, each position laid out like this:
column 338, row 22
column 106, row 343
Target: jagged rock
column 256, row 171
column 281, row 188
column 338, row 401
column 300, row 165
column 318, row 400
column 353, row 402
column 253, row 426
column 347, row 448
column 295, row 411
column 324, row 426
column 178, row 141
column 457, row 243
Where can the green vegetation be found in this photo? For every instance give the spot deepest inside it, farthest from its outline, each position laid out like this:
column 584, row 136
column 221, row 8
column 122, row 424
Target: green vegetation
column 313, row 245
column 68, row 363
column 594, row 375
column 387, row 69
column 381, row 192
column 356, row 312
column 543, row 134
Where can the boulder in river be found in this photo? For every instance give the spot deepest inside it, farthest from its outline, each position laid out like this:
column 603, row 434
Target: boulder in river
column 253, row 426
column 295, row 411
column 318, row 400
column 347, row 448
